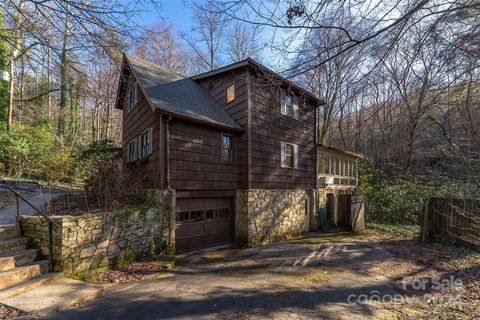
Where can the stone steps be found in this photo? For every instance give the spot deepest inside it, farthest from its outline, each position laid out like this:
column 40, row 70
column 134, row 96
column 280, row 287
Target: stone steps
column 17, row 259
column 7, row 263
column 28, row 285
column 21, row 274
column 8, row 232
column 12, row 245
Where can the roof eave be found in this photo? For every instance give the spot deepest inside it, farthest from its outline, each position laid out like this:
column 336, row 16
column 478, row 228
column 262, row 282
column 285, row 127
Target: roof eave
column 253, row 63
column 118, row 105
column 349, row 153
column 200, row 121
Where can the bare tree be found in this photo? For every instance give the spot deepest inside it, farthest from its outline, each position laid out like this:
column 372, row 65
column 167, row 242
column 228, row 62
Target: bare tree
column 62, row 29
column 209, row 28
column 159, row 44
column 242, row 41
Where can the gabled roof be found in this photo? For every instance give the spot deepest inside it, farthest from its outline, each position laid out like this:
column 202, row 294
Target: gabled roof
column 255, row 64
column 172, row 94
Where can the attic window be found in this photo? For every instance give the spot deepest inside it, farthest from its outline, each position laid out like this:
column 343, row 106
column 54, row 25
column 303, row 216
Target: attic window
column 132, row 97
column 288, row 104
column 231, row 93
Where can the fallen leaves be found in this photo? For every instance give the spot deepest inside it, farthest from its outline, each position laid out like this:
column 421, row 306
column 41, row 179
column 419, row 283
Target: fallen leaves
column 131, row 272
column 7, row 312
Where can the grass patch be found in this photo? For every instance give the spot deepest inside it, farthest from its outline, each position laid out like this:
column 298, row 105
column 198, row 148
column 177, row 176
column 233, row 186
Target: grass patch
column 309, row 277
column 329, row 238
column 404, row 231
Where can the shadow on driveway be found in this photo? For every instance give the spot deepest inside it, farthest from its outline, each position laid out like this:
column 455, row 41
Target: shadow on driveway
column 307, row 278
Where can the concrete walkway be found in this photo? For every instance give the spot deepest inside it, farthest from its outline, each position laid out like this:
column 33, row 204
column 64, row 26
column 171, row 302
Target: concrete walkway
column 56, row 295
column 7, row 215
column 310, row 278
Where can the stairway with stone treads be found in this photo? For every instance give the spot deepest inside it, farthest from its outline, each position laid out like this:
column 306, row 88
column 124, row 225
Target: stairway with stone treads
column 20, row 269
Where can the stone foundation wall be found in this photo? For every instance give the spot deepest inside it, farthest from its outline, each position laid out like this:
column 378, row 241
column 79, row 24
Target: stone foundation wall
column 265, row 215
column 94, row 241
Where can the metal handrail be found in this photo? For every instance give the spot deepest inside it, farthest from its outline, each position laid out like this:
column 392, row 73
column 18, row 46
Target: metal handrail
column 50, row 223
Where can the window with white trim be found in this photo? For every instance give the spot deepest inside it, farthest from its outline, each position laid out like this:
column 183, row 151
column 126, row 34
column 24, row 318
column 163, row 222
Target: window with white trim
column 146, row 140
column 132, row 151
column 288, row 155
column 288, row 104
column 337, row 169
column 132, row 97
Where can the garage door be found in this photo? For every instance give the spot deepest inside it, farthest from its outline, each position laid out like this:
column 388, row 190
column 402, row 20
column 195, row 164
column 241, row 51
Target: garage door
column 202, row 223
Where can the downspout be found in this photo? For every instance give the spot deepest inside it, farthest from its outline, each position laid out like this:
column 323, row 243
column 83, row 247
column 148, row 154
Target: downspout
column 248, row 133
column 167, row 151
column 172, row 195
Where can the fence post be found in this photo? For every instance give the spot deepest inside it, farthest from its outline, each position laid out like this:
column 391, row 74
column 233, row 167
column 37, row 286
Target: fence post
column 425, row 220
column 50, row 247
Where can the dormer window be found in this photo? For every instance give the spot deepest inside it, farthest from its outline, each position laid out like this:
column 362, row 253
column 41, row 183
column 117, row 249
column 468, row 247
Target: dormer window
column 288, row 104
column 231, row 93
column 132, row 97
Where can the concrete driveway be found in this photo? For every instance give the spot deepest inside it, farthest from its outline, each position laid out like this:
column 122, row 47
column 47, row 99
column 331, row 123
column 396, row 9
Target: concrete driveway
column 312, row 277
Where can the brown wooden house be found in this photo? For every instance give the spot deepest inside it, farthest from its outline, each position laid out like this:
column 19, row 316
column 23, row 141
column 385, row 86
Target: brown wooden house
column 237, row 144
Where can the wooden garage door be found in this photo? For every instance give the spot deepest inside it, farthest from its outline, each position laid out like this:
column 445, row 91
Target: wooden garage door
column 202, row 223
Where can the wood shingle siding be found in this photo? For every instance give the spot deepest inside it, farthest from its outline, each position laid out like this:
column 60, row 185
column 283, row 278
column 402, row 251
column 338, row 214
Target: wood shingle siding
column 217, row 87
column 134, row 123
column 259, row 128
column 195, row 162
column 268, row 128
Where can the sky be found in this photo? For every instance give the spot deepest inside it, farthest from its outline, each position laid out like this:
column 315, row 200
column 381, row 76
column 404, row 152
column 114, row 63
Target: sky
column 180, row 14
column 171, row 11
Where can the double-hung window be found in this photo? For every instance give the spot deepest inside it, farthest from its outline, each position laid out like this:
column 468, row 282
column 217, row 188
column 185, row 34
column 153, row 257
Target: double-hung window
column 141, row 146
column 288, row 155
column 146, row 143
column 132, row 97
column 288, row 104
column 227, row 148
column 132, row 151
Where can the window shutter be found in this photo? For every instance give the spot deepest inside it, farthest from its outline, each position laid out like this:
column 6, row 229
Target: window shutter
column 295, row 107
column 150, row 140
column 136, row 94
column 282, row 154
column 138, row 154
column 283, row 101
column 295, row 156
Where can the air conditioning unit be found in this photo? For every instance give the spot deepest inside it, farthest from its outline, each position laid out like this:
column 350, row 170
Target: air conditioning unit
column 328, row 180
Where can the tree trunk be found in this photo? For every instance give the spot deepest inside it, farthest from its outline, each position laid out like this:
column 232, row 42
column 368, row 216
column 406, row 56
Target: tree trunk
column 63, row 81
column 14, row 53
column 10, row 97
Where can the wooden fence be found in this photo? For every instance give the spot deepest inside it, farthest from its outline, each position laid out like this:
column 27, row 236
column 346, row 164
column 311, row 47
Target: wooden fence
column 351, row 211
column 455, row 218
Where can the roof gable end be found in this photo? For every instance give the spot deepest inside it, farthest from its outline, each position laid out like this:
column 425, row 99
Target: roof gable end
column 173, row 94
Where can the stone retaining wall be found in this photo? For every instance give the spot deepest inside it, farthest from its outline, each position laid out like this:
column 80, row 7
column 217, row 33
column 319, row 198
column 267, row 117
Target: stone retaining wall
column 109, row 239
column 265, row 216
